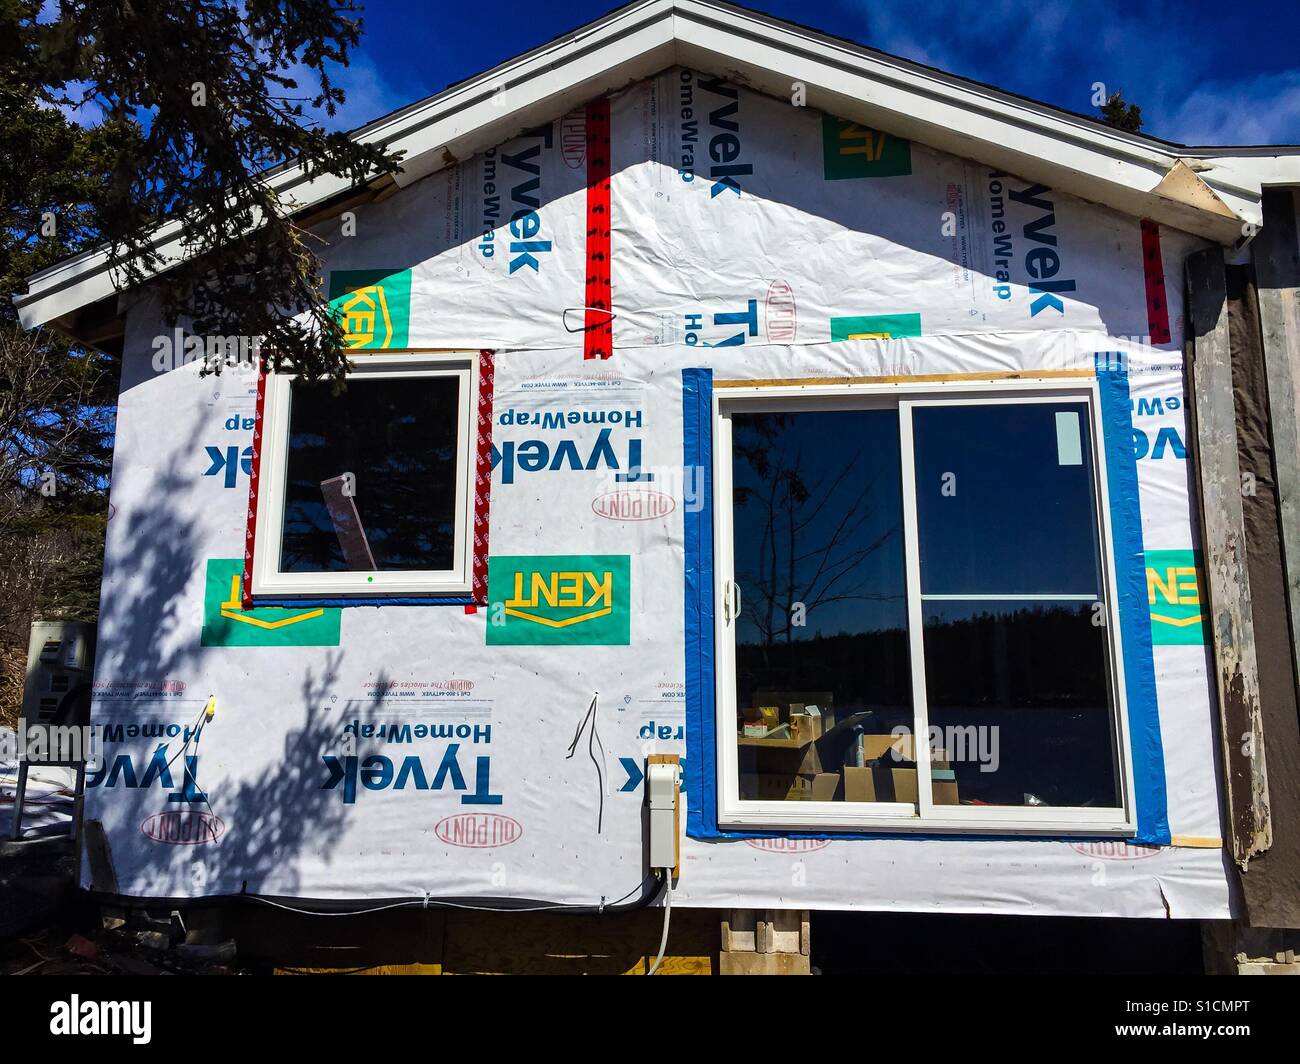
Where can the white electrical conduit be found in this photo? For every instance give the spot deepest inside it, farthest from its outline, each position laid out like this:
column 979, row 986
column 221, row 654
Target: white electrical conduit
column 668, row 911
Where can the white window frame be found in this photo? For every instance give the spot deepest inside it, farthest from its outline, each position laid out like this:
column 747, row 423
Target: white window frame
column 270, row 582
column 924, row 816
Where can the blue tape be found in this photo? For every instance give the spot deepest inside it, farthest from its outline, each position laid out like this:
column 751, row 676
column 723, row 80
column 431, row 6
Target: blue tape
column 701, row 749
column 1145, row 744
column 1147, row 749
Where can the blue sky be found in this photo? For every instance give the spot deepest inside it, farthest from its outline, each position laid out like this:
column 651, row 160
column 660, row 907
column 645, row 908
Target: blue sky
column 1204, row 73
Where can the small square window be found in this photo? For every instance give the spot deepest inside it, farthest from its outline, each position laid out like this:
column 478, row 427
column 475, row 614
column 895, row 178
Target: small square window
column 366, row 491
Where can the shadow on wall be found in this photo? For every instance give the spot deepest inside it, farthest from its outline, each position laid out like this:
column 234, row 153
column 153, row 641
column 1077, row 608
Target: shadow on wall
column 151, row 619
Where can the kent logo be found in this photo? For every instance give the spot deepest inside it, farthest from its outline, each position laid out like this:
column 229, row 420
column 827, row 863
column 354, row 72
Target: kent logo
column 559, row 600
column 1042, row 263
column 1174, row 595
column 875, row 327
column 526, row 222
column 853, row 151
column 534, row 456
column 227, row 624
column 372, row 306
column 724, row 145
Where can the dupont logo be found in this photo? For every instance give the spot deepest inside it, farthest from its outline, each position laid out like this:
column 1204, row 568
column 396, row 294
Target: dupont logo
column 1117, row 850
column 780, row 316
column 479, row 830
column 188, row 827
column 788, row 845
column 633, row 504
column 573, row 139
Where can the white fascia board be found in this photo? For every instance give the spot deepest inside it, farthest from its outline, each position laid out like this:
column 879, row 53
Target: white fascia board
column 77, row 282
column 1035, row 142
column 1248, row 167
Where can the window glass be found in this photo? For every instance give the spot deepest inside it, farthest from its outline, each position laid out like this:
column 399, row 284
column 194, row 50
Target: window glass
column 371, row 475
column 1016, row 649
column 1004, row 499
column 822, row 667
column 1019, row 706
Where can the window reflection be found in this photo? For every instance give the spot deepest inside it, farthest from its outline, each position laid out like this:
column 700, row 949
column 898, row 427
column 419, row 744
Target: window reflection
column 1012, row 607
column 1004, row 499
column 1018, row 701
column 821, row 641
column 371, row 477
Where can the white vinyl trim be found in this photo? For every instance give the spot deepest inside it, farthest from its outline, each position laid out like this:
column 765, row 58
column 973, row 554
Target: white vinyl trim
column 270, row 582
column 925, row 816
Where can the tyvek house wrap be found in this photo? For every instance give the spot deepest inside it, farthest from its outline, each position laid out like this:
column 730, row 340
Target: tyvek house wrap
column 399, row 751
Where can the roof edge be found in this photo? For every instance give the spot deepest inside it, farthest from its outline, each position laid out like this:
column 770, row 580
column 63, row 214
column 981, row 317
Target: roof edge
column 1069, row 152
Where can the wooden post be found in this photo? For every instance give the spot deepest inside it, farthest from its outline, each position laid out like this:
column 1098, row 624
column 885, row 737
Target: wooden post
column 1231, row 626
column 1276, row 254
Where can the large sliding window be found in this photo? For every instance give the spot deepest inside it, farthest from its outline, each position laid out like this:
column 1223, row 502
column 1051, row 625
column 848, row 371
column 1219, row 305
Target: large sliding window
column 916, row 624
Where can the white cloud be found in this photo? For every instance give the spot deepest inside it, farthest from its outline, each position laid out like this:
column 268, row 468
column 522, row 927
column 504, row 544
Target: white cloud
column 1054, row 51
column 1261, row 110
column 369, row 94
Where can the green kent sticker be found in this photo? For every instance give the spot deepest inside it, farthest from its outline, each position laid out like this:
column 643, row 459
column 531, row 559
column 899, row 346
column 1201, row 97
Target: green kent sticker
column 373, row 306
column 559, row 600
column 227, row 624
column 850, row 150
column 1174, row 594
column 875, row 327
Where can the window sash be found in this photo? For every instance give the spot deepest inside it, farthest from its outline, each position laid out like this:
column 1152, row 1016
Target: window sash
column 924, row 816
column 270, row 582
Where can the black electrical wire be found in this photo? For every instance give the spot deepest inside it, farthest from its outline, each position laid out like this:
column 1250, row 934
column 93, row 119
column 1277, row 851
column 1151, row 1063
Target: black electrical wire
column 593, row 739
column 324, row 907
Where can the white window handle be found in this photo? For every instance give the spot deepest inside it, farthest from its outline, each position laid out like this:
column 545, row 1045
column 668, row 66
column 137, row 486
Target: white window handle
column 730, row 601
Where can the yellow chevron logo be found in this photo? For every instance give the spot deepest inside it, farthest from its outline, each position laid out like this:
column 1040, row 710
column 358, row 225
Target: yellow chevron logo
column 1177, row 622
column 233, row 609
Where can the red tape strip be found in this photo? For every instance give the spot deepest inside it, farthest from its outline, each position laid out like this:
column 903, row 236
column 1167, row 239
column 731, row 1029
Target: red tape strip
column 598, row 320
column 482, row 477
column 1154, row 270
column 250, row 529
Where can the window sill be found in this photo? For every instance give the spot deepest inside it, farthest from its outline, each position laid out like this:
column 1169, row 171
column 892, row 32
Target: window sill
column 903, row 820
column 377, row 599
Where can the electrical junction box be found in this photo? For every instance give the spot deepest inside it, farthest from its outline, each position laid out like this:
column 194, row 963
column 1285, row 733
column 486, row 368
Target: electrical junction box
column 663, row 795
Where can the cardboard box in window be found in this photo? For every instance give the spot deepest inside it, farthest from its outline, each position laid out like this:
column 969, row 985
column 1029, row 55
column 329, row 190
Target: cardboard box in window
column 805, row 727
column 823, row 700
column 884, row 780
column 873, row 782
column 858, row 784
column 825, row 786
column 895, row 748
column 944, row 785
column 799, row 787
column 776, row 787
